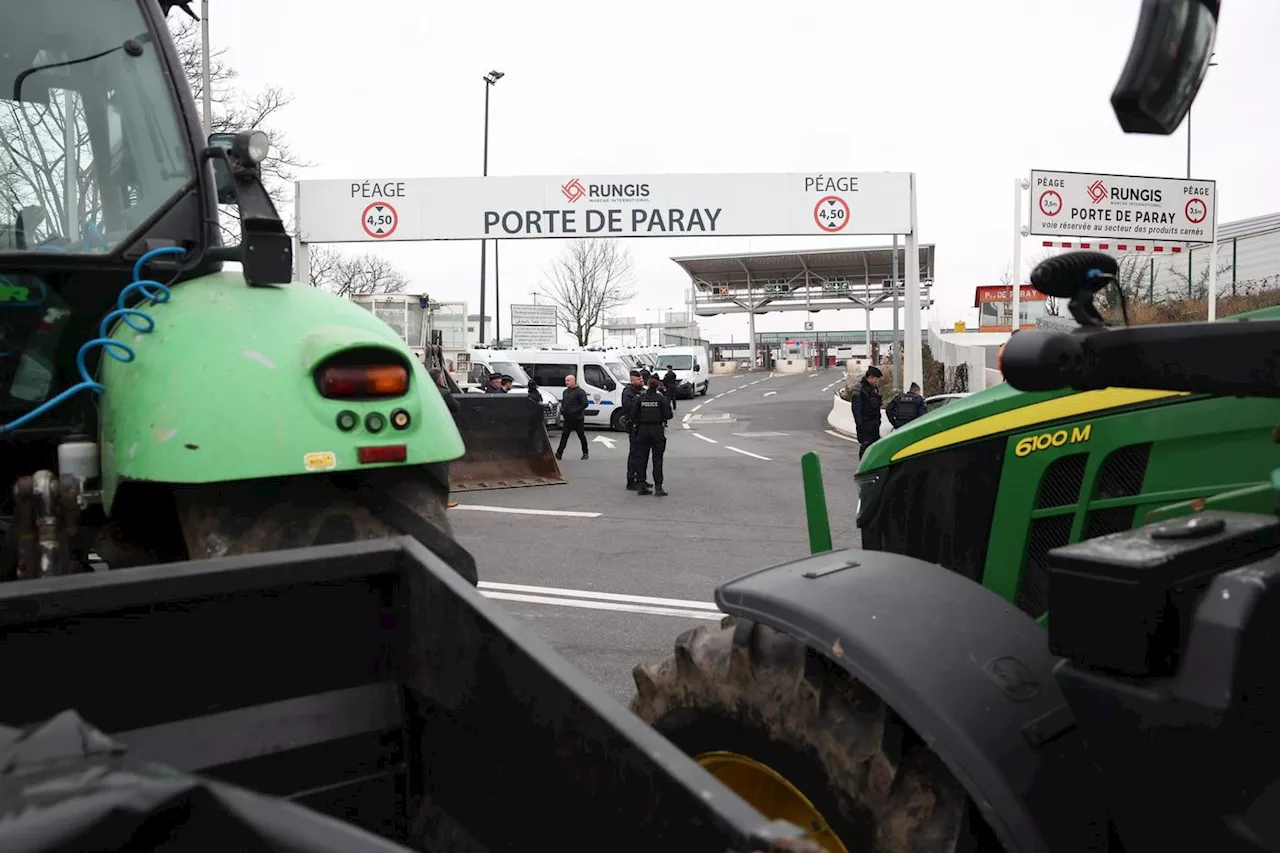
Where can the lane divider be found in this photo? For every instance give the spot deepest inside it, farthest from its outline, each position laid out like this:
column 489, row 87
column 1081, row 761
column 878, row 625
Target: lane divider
column 704, row 438
column 747, row 453
column 840, row 435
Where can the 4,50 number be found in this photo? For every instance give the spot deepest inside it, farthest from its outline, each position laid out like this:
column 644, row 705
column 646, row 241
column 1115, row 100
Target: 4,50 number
column 1045, row 440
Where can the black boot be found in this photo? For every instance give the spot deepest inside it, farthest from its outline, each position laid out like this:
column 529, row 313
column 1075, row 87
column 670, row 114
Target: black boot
column 586, row 455
column 660, row 492
column 644, row 490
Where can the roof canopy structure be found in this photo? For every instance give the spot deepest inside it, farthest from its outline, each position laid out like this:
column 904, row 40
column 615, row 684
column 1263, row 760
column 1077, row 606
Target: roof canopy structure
column 801, row 281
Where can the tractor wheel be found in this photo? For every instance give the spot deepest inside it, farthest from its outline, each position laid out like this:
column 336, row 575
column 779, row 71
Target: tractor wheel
column 800, row 740
column 227, row 519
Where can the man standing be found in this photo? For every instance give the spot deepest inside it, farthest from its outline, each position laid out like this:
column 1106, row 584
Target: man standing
column 651, row 411
column 906, row 407
column 495, row 384
column 573, row 407
column 672, row 384
column 629, row 394
column 507, row 382
column 866, row 409
column 442, row 383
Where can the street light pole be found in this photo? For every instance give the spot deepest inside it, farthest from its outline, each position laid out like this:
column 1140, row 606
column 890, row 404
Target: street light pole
column 206, row 92
column 489, row 79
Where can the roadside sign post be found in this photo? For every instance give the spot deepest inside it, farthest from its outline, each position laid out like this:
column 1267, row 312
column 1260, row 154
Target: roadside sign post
column 533, row 326
column 531, row 207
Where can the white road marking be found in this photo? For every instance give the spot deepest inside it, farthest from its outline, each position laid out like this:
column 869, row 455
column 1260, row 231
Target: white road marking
column 712, row 440
column 600, row 596
column 840, row 435
column 604, row 605
column 771, row 393
column 771, row 375
column 731, row 390
column 747, row 453
column 686, row 417
column 608, row 442
column 718, row 396
column 699, row 406
column 761, row 434
column 518, row 511
column 686, row 425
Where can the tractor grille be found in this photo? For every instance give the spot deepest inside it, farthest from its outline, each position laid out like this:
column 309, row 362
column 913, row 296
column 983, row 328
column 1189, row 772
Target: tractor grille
column 1122, row 472
column 938, row 507
column 1102, row 522
column 1043, row 536
column 1060, row 485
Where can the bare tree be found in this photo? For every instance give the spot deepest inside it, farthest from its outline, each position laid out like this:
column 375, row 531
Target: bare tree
column 1195, row 289
column 235, row 110
column 591, row 278
column 355, row 275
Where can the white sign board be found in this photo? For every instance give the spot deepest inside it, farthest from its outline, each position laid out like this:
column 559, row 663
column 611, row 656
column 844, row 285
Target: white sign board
column 533, row 337
column 533, row 315
column 745, row 205
column 1122, row 207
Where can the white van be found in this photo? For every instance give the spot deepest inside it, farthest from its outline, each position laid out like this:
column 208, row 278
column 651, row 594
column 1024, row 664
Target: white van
column 601, row 374
column 483, row 363
column 691, row 367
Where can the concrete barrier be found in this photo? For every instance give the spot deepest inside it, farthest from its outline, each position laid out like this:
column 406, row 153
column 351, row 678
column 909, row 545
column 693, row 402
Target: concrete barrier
column 791, row 365
column 721, row 367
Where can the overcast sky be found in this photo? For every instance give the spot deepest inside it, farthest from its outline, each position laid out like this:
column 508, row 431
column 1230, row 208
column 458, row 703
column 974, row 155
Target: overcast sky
column 968, row 95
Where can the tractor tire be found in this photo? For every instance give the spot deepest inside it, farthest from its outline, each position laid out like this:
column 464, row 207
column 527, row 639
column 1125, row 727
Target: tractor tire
column 859, row 779
column 228, row 519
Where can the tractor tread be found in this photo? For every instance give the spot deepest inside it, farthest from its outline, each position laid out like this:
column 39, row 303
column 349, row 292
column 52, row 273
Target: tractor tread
column 888, row 784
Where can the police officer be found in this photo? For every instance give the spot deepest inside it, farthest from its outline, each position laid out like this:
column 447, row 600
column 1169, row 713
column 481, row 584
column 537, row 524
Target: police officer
column 866, row 409
column 651, row 411
column 495, row 384
column 671, row 383
column 906, row 407
column 635, row 478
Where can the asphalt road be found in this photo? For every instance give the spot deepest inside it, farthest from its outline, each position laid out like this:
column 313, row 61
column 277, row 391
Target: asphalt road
column 610, row 578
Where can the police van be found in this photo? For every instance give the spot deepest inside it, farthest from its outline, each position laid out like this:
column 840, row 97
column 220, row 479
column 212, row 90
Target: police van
column 691, row 367
column 602, row 374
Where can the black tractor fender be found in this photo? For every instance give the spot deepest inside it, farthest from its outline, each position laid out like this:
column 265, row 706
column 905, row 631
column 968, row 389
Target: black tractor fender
column 967, row 671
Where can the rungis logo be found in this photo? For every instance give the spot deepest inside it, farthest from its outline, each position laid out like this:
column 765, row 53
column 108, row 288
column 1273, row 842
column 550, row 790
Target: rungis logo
column 573, row 190
column 1097, row 191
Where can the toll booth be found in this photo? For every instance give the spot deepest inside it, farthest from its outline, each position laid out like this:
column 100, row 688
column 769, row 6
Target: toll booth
column 995, row 307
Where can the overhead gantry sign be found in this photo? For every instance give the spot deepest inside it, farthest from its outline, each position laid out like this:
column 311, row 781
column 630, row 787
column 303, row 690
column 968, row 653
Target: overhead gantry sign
column 514, row 208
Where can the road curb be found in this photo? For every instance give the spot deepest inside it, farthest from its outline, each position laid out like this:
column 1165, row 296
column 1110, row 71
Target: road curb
column 840, row 418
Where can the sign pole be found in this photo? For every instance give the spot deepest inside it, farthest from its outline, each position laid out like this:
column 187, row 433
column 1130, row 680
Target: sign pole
column 1016, row 274
column 1213, row 267
column 897, row 338
column 911, row 323
column 301, row 252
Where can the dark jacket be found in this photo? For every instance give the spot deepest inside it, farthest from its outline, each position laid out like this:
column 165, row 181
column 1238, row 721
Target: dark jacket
column 904, row 409
column 574, row 403
column 489, row 389
column 664, row 407
column 866, row 410
column 672, row 381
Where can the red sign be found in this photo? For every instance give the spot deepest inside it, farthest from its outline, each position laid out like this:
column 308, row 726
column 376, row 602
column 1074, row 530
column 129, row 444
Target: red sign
column 1004, row 293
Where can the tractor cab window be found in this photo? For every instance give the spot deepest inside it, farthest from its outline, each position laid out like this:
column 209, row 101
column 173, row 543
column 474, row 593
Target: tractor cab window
column 90, row 139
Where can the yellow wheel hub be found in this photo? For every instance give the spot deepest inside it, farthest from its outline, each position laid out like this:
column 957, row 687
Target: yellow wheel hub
column 769, row 792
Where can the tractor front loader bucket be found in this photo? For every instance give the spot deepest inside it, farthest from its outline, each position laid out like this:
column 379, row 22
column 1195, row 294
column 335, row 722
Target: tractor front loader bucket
column 367, row 681
column 507, row 444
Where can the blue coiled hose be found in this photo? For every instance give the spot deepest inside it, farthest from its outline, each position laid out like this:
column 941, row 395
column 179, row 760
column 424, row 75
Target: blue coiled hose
column 134, row 318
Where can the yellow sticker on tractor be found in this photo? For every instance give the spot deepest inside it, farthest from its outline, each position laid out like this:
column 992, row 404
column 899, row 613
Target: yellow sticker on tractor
column 325, row 461
column 1057, row 438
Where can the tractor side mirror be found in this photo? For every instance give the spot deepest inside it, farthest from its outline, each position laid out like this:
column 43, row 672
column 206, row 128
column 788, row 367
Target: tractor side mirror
column 1167, row 62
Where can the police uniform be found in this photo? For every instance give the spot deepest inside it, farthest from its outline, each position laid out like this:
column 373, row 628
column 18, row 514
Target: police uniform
column 652, row 411
column 634, row 477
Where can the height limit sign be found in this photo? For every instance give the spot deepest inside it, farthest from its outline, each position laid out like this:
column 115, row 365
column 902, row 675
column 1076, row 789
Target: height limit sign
column 831, row 213
column 379, row 220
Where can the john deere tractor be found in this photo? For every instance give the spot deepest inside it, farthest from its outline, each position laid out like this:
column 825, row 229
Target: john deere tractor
column 908, row 697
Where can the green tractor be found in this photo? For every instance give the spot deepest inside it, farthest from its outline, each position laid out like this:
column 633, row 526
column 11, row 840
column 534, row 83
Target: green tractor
column 907, row 696
column 235, row 617
column 988, row 485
